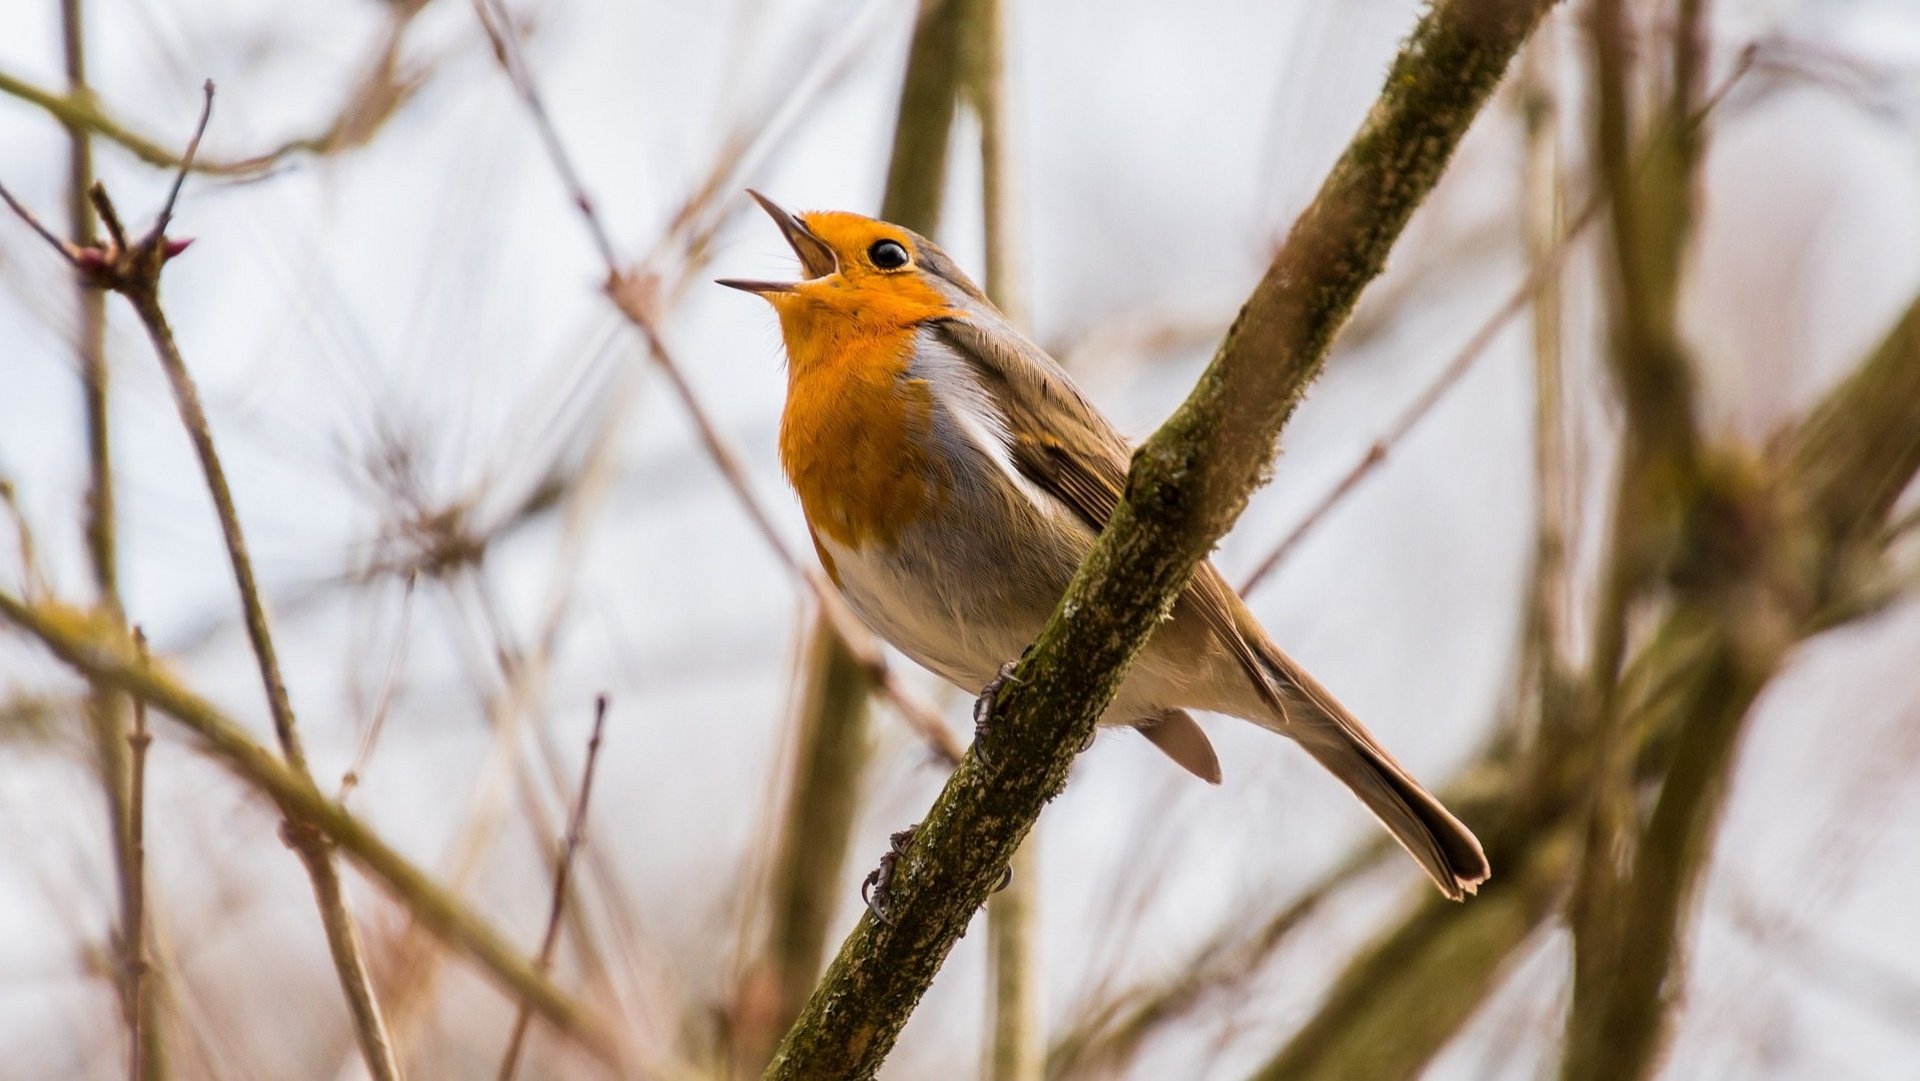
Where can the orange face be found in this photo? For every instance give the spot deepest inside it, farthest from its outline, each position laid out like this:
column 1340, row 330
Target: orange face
column 861, row 283
column 853, row 435
column 875, row 289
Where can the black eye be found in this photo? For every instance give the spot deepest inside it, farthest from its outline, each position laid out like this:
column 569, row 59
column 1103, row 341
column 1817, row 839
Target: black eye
column 888, row 255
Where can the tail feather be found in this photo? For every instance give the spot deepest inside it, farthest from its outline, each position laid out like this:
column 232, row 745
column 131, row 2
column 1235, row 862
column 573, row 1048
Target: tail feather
column 1299, row 707
column 1444, row 847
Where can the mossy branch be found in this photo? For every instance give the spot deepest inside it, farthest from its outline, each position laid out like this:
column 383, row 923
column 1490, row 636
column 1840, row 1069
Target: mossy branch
column 1188, row 483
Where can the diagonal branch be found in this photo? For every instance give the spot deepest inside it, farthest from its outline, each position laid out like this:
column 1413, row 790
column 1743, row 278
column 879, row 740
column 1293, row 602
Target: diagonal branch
column 563, row 866
column 102, row 651
column 1188, row 484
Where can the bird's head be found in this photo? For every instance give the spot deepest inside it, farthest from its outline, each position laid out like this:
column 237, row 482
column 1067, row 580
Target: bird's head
column 860, row 270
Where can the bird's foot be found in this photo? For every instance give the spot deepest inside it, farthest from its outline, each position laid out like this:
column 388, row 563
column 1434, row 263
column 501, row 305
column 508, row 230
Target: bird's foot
column 876, row 890
column 989, row 695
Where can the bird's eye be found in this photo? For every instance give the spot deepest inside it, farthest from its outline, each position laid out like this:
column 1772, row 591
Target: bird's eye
column 888, row 255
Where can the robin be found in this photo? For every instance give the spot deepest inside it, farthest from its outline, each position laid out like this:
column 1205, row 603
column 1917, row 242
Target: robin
column 953, row 477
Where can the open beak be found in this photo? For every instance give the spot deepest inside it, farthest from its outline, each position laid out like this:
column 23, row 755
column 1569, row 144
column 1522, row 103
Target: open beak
column 816, row 259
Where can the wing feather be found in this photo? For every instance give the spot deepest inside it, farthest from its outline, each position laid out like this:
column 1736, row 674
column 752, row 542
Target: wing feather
column 1066, row 447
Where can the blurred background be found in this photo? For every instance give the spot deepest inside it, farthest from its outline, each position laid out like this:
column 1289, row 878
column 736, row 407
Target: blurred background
column 475, row 502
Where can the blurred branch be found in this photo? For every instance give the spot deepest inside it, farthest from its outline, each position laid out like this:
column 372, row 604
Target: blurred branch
column 376, row 97
column 1523, row 296
column 1674, row 699
column 1110, row 1034
column 810, row 854
column 1663, row 498
column 1546, row 683
column 101, row 651
column 563, row 865
column 1188, row 483
column 106, row 709
column 140, row 1056
column 922, row 135
column 1842, row 468
column 1382, row 1018
column 1016, row 1045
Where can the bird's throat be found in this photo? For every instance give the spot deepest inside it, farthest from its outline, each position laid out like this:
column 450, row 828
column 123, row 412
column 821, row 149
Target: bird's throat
column 855, row 433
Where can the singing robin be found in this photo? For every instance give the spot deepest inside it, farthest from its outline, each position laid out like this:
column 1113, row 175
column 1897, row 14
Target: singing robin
column 953, row 477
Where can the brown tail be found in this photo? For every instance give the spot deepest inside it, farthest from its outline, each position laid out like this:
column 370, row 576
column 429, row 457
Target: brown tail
column 1444, row 848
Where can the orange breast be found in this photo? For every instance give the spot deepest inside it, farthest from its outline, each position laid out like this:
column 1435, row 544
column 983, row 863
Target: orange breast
column 854, row 437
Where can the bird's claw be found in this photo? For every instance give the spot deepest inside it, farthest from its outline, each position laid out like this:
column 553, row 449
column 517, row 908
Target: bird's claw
column 875, row 889
column 989, row 694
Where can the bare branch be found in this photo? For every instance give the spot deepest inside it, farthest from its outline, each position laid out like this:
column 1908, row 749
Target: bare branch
column 1423, row 403
column 67, row 251
column 165, row 217
column 576, row 835
column 136, row 912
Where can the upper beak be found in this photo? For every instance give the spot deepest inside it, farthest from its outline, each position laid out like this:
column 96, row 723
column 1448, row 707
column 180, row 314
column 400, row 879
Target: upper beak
column 816, row 259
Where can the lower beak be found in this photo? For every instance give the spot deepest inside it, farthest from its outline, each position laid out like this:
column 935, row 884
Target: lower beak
column 816, row 258
column 747, row 286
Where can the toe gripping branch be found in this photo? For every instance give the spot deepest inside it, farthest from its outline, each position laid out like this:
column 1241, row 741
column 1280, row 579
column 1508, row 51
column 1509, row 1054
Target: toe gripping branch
column 876, row 888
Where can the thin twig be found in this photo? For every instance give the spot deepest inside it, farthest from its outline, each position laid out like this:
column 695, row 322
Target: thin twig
column 1417, row 410
column 67, row 251
column 375, row 98
column 1544, row 269
column 30, row 573
column 136, row 916
column 342, row 936
column 576, row 835
column 106, row 708
column 165, row 217
column 383, row 698
column 506, row 48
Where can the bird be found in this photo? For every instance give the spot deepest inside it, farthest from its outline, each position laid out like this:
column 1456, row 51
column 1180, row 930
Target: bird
column 953, row 477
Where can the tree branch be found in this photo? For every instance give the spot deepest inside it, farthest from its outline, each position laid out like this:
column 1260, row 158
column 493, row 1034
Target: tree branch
column 1868, row 430
column 1187, row 485
column 562, row 871
column 102, row 651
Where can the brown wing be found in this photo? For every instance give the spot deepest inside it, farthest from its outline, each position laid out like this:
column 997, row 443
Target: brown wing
column 1063, row 444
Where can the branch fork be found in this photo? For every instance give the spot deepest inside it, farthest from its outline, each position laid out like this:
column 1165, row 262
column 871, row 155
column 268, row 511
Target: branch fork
column 117, row 263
